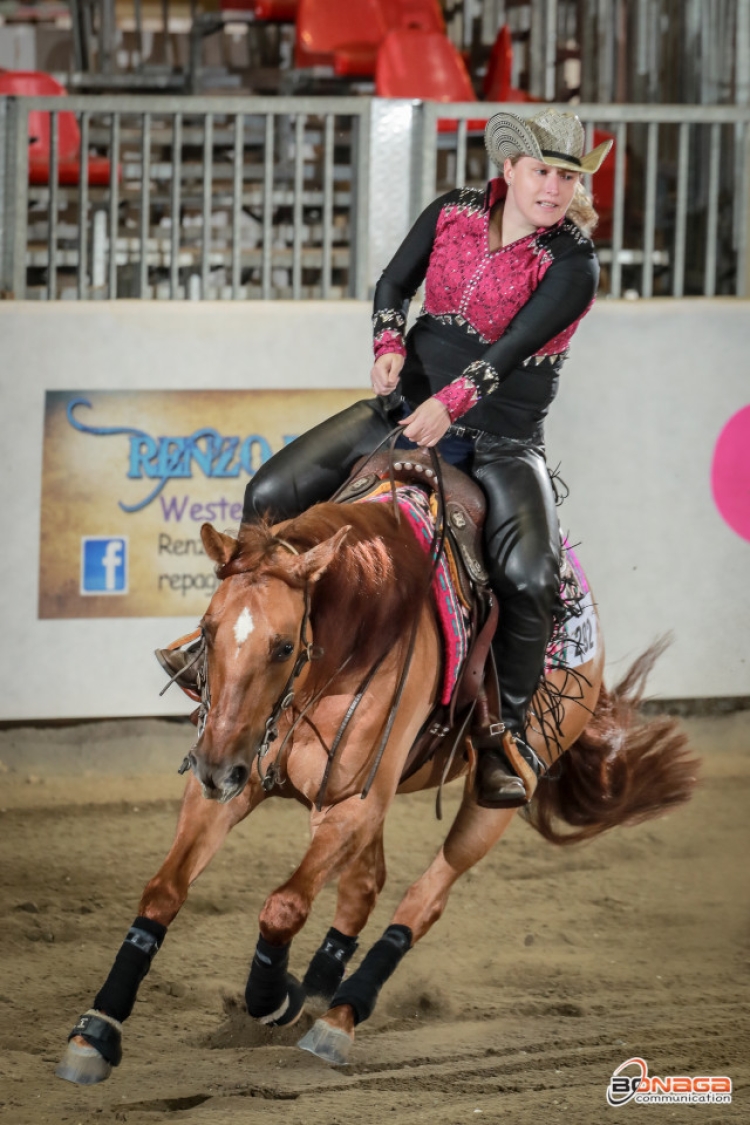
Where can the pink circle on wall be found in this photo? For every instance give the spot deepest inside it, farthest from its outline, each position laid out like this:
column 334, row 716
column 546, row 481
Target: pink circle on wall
column 730, row 473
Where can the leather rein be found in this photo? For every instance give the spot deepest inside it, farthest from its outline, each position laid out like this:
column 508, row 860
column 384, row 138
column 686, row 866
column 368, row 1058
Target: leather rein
column 308, row 652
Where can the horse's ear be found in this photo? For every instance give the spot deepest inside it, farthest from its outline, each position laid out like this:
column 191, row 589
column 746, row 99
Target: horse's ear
column 313, row 563
column 218, row 547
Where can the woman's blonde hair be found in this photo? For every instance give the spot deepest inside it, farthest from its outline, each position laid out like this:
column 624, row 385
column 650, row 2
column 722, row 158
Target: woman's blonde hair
column 581, row 210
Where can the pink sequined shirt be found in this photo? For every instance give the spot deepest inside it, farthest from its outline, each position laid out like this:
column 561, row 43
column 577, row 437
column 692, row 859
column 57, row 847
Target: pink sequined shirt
column 490, row 317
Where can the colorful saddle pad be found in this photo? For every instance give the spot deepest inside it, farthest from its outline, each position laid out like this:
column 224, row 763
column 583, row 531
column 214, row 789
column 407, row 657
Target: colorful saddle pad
column 575, row 635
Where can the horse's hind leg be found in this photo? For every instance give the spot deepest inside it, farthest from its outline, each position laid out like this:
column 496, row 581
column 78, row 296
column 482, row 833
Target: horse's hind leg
column 94, row 1045
column 473, row 833
column 358, row 890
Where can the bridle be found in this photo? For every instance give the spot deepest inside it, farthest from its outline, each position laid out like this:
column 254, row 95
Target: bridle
column 307, row 651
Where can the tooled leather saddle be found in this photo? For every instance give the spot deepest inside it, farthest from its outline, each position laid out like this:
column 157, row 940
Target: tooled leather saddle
column 463, row 512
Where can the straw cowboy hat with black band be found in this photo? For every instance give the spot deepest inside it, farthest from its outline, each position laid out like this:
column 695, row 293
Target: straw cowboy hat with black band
column 554, row 138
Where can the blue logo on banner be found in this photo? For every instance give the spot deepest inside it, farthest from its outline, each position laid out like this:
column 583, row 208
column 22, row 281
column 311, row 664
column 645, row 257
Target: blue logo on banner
column 104, row 565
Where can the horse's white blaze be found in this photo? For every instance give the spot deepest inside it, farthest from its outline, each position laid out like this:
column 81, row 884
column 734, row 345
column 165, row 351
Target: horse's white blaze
column 243, row 627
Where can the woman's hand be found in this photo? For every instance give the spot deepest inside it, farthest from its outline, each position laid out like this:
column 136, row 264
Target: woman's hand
column 385, row 373
column 427, row 424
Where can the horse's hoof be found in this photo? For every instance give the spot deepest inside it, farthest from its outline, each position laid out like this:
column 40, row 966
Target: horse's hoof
column 328, row 1043
column 291, row 1010
column 83, row 1065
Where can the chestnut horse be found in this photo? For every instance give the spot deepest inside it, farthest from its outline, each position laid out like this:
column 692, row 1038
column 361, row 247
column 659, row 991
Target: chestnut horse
column 322, row 633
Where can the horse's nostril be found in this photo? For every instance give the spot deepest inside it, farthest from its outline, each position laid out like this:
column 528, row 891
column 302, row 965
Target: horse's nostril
column 237, row 776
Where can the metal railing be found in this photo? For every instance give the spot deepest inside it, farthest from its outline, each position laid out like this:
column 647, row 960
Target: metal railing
column 677, row 216
column 186, row 197
column 241, row 198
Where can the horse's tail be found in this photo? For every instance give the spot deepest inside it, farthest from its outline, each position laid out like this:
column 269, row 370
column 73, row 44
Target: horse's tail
column 622, row 769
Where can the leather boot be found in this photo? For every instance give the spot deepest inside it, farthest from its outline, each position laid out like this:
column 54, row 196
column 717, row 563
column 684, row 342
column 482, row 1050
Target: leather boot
column 180, row 664
column 506, row 779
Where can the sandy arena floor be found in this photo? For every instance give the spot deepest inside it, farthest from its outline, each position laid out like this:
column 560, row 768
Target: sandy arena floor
column 549, row 969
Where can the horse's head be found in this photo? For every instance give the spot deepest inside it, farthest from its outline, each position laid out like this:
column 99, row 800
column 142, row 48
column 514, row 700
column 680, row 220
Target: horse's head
column 258, row 639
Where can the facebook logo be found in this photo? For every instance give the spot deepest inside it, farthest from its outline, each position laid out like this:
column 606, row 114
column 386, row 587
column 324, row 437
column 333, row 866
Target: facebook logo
column 104, row 565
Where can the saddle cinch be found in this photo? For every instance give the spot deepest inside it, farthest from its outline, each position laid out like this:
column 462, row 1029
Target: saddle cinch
column 461, row 507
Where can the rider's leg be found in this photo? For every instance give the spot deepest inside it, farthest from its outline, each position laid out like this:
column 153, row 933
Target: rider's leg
column 317, row 463
column 522, row 541
column 303, row 473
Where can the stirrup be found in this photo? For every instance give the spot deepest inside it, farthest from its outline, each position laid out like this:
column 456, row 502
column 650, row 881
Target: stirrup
column 183, row 664
column 508, row 770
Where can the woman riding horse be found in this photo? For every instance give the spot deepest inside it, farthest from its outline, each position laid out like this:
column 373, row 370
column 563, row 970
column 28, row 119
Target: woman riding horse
column 333, row 611
column 509, row 272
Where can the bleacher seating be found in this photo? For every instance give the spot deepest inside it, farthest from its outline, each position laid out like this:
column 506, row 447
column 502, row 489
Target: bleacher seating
column 342, row 34
column 264, row 11
column 29, row 83
column 413, row 63
column 426, row 14
column 603, row 187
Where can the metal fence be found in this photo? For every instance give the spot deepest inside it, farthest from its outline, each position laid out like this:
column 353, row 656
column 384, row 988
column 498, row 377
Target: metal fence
column 675, row 204
column 241, row 198
column 183, row 197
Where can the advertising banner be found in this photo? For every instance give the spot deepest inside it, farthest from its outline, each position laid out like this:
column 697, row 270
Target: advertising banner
column 129, row 477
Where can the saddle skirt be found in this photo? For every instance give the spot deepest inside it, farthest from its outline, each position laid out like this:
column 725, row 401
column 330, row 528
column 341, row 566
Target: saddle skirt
column 574, row 636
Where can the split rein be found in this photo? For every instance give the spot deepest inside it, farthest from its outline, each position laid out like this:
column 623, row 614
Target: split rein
column 308, row 652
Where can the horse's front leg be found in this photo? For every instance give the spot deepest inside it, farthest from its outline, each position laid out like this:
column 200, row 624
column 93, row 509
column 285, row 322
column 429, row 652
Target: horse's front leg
column 358, row 890
column 347, row 840
column 473, row 833
column 94, row 1045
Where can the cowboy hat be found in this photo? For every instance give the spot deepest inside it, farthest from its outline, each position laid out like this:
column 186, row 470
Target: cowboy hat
column 551, row 136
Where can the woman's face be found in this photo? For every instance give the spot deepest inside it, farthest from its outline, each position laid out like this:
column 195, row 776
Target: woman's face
column 541, row 193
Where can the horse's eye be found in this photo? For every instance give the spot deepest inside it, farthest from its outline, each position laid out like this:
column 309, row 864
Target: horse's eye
column 281, row 651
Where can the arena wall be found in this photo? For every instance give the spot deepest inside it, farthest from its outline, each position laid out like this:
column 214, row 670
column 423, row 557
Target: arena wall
column 644, row 397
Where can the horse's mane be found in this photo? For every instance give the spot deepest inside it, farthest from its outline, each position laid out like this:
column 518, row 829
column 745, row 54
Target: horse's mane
column 366, row 602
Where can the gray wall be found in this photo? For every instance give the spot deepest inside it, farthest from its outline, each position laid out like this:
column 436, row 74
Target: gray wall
column 643, row 398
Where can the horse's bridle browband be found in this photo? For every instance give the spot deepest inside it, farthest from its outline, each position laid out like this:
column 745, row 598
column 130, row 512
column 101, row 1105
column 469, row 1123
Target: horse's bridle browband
column 307, row 652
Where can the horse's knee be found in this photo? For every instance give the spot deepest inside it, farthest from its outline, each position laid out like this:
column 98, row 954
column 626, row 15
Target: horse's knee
column 283, row 915
column 420, row 908
column 161, row 900
column 370, row 884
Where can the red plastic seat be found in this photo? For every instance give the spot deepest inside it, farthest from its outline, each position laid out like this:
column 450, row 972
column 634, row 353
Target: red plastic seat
column 276, row 11
column 426, row 14
column 497, row 81
column 603, row 184
column 344, row 34
column 30, row 83
column 424, row 64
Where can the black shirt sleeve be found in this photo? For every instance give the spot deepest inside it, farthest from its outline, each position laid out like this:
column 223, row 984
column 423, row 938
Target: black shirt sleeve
column 402, row 277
